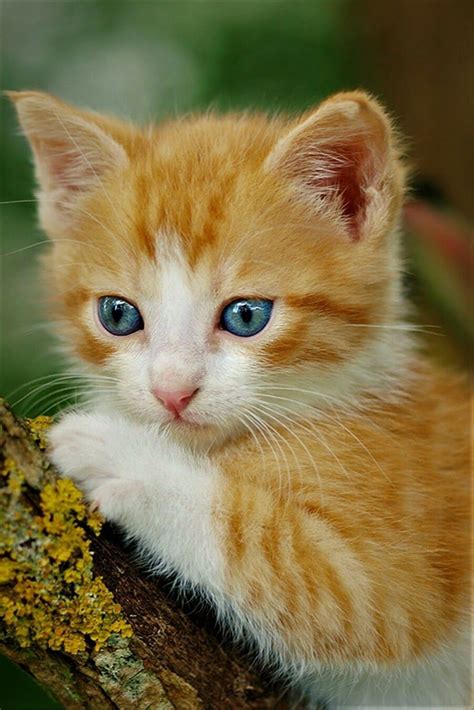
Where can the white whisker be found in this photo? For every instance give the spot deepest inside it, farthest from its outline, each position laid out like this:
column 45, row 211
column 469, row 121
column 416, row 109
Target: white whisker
column 324, row 413
column 270, row 412
column 310, row 427
column 264, row 429
column 410, row 327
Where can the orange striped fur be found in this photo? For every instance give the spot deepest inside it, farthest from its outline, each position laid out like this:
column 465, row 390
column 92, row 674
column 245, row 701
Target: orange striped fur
column 368, row 559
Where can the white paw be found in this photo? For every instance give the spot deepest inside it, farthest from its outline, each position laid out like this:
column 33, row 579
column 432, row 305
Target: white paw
column 86, row 448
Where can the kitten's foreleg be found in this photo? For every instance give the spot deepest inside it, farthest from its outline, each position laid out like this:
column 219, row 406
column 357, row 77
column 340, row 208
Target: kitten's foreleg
column 162, row 497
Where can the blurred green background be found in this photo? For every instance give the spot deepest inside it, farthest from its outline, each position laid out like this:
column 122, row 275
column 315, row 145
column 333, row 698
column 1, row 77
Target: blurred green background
column 154, row 59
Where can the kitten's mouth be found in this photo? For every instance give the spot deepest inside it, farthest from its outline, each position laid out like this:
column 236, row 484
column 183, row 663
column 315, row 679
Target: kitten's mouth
column 188, row 425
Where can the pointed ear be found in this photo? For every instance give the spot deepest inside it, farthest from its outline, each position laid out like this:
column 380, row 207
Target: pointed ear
column 343, row 162
column 72, row 150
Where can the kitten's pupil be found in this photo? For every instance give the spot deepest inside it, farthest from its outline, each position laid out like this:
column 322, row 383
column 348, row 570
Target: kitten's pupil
column 245, row 313
column 117, row 312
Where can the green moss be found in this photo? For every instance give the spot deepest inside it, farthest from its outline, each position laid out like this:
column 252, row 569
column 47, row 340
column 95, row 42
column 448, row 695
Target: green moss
column 49, row 595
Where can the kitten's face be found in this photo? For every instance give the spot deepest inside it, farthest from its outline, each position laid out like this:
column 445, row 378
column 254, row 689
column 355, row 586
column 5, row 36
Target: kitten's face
column 220, row 270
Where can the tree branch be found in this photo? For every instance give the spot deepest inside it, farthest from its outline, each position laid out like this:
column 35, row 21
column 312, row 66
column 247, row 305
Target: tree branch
column 63, row 625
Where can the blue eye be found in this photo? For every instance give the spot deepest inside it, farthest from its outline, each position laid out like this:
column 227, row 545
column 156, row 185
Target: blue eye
column 246, row 316
column 119, row 317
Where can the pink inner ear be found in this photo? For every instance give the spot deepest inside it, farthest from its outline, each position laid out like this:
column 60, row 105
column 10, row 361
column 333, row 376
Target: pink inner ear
column 66, row 167
column 348, row 173
column 350, row 185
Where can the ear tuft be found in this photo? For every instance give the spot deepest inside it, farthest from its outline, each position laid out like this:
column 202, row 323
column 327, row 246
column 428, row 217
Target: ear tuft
column 339, row 157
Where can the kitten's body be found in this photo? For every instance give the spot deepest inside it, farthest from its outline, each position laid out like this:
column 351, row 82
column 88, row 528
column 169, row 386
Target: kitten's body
column 316, row 487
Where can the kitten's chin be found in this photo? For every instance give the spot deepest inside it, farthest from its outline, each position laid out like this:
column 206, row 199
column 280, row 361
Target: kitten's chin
column 199, row 434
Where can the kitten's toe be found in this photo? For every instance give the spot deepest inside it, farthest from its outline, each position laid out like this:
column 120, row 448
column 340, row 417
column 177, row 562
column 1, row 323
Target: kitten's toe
column 115, row 498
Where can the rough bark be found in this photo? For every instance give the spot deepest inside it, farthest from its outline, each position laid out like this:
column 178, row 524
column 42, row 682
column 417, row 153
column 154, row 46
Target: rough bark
column 174, row 659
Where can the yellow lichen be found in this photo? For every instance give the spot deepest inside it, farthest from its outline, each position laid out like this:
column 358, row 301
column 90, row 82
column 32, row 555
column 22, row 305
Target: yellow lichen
column 50, row 595
column 38, row 428
column 14, row 479
column 8, row 569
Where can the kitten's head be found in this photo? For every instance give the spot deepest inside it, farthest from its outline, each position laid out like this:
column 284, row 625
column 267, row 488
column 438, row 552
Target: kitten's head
column 223, row 270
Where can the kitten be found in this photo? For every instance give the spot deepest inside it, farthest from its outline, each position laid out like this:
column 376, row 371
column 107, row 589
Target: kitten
column 270, row 433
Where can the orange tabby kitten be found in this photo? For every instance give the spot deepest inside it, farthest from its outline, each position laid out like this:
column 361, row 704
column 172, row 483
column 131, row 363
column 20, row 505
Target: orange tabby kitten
column 269, row 432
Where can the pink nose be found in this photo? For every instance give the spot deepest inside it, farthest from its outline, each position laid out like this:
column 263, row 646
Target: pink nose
column 174, row 402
